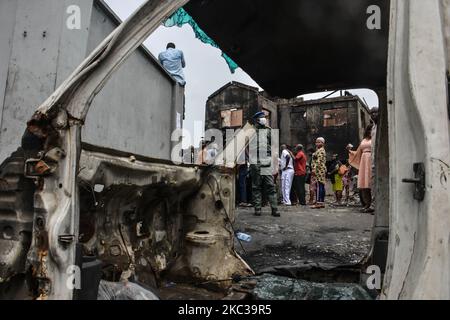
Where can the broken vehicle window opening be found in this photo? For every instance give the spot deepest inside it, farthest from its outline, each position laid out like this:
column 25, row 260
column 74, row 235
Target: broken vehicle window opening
column 132, row 224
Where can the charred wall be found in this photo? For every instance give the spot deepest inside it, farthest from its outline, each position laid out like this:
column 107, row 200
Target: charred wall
column 236, row 96
column 339, row 120
column 270, row 106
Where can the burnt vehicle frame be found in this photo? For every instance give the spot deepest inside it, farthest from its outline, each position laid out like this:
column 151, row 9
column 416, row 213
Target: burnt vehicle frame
column 65, row 174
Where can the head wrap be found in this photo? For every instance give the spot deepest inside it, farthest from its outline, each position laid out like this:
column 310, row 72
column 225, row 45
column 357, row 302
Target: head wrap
column 321, row 140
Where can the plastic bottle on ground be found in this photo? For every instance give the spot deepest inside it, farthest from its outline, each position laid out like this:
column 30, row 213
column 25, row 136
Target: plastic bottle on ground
column 244, row 237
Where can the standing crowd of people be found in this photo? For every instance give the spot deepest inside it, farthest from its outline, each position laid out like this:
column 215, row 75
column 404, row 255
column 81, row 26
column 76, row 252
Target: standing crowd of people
column 296, row 169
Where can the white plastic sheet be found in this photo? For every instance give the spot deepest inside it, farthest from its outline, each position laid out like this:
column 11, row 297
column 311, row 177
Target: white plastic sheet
column 124, row 291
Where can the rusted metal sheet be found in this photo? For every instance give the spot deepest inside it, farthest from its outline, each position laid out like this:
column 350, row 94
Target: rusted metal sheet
column 153, row 219
column 57, row 200
column 285, row 45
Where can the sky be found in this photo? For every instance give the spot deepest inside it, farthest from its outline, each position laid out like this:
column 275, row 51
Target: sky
column 206, row 71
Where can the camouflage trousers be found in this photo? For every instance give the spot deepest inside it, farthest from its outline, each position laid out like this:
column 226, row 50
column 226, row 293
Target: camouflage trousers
column 262, row 184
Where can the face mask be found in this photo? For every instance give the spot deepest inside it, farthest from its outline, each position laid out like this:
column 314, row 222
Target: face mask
column 262, row 121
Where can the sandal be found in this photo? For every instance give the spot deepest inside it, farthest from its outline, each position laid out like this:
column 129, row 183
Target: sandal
column 369, row 210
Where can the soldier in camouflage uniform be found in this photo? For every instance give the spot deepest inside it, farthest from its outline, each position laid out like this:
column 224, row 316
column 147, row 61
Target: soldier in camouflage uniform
column 261, row 166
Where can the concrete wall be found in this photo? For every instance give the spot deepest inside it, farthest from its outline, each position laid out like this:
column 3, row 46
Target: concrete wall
column 31, row 65
column 135, row 112
column 7, row 14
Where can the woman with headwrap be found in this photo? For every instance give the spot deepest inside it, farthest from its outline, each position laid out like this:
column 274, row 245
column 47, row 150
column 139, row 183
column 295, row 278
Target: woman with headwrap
column 319, row 171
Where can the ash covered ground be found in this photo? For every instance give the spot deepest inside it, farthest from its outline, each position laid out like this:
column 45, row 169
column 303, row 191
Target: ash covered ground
column 335, row 235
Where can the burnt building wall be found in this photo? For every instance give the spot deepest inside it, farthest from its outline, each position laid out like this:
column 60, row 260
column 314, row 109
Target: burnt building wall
column 339, row 120
column 238, row 97
column 230, row 97
column 270, row 106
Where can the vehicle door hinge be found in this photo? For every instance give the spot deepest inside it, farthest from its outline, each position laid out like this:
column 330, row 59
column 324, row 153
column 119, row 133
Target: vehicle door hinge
column 418, row 181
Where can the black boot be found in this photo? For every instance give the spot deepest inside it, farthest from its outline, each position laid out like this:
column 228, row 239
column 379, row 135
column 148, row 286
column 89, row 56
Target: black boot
column 275, row 213
column 258, row 212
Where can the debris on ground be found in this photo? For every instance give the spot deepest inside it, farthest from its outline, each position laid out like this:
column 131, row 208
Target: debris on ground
column 271, row 287
column 334, row 235
column 124, row 291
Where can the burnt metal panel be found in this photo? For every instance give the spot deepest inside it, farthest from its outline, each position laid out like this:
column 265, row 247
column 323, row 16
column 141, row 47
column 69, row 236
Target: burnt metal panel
column 295, row 47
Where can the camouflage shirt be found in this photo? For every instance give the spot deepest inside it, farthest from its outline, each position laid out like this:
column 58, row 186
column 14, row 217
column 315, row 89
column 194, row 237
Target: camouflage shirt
column 260, row 147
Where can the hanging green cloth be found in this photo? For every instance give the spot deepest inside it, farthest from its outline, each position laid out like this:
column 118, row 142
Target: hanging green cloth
column 181, row 17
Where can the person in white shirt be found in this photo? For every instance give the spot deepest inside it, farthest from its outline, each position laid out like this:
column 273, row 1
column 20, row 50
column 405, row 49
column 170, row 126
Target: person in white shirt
column 287, row 174
column 173, row 61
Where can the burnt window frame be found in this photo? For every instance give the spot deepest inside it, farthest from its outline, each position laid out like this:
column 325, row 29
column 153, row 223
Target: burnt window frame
column 231, row 110
column 324, row 112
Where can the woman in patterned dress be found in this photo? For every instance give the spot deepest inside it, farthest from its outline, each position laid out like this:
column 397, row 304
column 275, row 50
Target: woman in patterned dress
column 311, row 180
column 319, row 171
column 347, row 178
